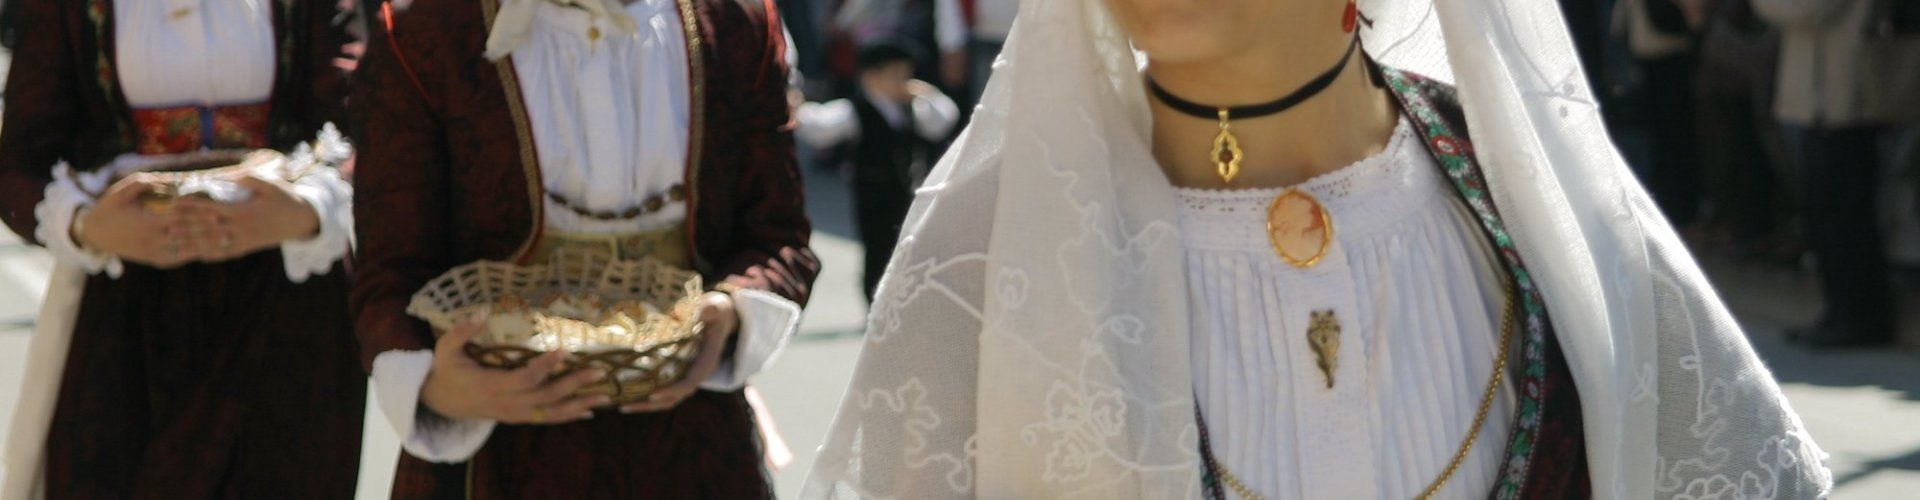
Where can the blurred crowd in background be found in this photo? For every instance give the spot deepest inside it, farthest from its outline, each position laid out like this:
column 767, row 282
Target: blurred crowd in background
column 1782, row 133
column 1774, row 132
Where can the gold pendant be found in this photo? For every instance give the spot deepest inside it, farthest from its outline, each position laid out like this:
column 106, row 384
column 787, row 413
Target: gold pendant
column 1226, row 150
column 1299, row 228
column 1324, row 336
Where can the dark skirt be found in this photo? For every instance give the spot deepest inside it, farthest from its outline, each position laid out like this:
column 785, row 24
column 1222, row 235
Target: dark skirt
column 706, row 448
column 209, row 381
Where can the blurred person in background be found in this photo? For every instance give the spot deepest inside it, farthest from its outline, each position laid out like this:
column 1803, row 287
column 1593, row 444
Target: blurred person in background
column 1849, row 77
column 202, row 350
column 938, row 24
column 989, row 23
column 1740, row 152
column 891, row 127
column 1660, row 35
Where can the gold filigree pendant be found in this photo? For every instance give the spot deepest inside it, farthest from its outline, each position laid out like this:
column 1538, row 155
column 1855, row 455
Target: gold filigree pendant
column 1226, row 150
column 1323, row 335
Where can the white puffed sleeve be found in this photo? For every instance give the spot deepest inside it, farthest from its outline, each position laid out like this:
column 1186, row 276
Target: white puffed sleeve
column 826, row 125
column 320, row 185
column 934, row 115
column 66, row 197
column 767, row 321
column 397, row 378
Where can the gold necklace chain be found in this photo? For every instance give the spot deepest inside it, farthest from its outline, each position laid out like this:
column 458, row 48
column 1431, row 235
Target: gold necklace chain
column 1466, row 445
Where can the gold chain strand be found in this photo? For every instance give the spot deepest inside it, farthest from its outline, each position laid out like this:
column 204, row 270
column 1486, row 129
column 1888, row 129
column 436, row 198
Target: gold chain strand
column 1233, row 482
column 1486, row 400
column 1473, row 434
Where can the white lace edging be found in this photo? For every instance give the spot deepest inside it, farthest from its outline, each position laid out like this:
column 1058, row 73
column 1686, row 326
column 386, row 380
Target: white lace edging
column 66, row 197
column 397, row 378
column 332, row 201
column 767, row 321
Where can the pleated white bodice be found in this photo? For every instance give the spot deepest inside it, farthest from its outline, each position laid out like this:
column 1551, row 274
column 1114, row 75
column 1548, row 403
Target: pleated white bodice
column 1416, row 291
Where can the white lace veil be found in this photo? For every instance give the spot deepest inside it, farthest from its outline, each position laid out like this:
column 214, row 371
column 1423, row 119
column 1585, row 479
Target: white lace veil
column 1030, row 337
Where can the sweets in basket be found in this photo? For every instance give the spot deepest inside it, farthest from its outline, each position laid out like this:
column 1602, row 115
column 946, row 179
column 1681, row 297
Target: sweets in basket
column 633, row 319
column 207, row 175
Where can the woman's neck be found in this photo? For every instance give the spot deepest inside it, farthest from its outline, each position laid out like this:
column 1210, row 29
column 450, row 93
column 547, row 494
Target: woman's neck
column 1348, row 121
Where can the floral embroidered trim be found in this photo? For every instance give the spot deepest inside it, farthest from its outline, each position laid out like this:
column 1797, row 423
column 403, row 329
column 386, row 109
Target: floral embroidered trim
column 99, row 17
column 190, row 128
column 1455, row 155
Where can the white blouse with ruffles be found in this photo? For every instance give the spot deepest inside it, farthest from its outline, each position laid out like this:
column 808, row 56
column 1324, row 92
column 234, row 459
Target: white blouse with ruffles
column 195, row 53
column 610, row 117
column 1418, row 298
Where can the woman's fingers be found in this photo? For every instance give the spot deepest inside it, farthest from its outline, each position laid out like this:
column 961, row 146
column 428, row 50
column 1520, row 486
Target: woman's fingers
column 665, row 398
column 576, row 408
column 127, row 191
column 454, row 342
column 554, row 402
column 556, row 390
column 528, row 377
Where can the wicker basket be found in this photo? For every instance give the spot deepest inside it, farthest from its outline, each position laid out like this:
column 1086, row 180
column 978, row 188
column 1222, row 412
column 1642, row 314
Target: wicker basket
column 638, row 356
column 203, row 174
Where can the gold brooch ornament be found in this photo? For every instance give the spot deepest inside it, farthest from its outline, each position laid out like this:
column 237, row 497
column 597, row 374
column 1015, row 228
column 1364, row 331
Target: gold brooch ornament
column 1299, row 228
column 1323, row 335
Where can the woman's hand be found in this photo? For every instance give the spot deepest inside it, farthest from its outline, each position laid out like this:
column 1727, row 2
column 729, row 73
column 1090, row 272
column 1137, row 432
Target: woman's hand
column 459, row 387
column 717, row 314
column 271, row 215
column 119, row 225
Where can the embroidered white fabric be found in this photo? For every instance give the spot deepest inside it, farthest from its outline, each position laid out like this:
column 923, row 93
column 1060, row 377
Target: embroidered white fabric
column 1030, row 339
column 1417, row 295
column 194, row 52
column 332, row 200
column 65, row 201
column 605, row 140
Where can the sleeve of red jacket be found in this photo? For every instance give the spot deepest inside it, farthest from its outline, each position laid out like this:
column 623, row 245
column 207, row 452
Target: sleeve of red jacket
column 772, row 218
column 400, row 197
column 335, row 28
column 42, row 112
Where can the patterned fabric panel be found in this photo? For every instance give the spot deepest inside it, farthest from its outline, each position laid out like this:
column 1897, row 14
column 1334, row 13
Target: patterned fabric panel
column 191, row 128
column 1545, row 387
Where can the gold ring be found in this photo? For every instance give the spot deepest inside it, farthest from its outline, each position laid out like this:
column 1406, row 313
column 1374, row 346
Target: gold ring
column 539, row 415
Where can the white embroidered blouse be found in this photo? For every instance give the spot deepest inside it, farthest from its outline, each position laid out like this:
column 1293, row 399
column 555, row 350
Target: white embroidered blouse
column 609, row 111
column 1414, row 287
column 195, row 53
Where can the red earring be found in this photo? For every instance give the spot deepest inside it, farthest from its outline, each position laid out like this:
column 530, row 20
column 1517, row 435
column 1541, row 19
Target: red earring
column 1351, row 19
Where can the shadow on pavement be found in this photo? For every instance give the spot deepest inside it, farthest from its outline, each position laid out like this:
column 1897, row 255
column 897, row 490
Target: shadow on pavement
column 1908, row 462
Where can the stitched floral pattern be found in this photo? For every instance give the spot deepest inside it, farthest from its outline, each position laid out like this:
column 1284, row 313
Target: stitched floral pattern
column 1455, row 155
column 185, row 128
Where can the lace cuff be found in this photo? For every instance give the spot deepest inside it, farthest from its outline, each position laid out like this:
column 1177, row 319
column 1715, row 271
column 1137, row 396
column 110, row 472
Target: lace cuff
column 397, row 378
column 330, row 196
column 767, row 321
column 66, row 197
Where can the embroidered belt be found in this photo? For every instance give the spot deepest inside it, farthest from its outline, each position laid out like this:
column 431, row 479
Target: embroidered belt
column 192, row 128
column 667, row 245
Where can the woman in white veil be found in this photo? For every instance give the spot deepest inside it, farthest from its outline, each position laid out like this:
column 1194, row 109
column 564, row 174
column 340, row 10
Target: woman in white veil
column 1032, row 336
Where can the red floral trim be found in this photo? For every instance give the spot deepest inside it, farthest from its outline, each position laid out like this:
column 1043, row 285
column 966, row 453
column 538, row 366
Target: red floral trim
column 184, row 128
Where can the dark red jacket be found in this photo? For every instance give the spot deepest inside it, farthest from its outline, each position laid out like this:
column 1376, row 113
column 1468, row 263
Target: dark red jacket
column 447, row 173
